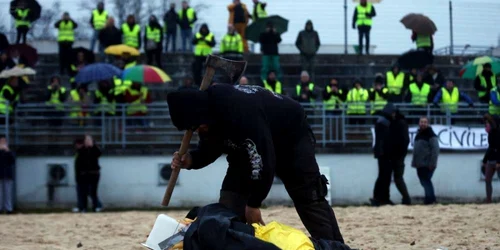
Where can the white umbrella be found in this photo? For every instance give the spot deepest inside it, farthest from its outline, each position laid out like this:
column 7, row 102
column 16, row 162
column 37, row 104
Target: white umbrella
column 370, row 1
column 17, row 71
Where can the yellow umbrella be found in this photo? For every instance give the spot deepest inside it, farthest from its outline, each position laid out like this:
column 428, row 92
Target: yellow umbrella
column 370, row 1
column 118, row 50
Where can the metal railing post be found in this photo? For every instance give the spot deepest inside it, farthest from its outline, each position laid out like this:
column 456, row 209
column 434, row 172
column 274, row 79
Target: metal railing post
column 103, row 133
column 343, row 124
column 124, row 126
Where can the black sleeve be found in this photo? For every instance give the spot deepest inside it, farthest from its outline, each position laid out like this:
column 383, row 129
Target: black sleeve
column 195, row 18
column 145, row 38
column 211, row 43
column 48, row 94
column 477, row 85
column 262, row 38
column 371, row 95
column 195, row 40
column 278, row 38
column 161, row 36
column 91, row 20
column 298, row 41
column 381, row 132
column 206, row 153
column 56, row 25
column 139, row 38
column 96, row 152
column 318, row 43
column 75, row 25
column 62, row 96
column 373, row 13
column 383, row 95
column 326, row 95
column 355, row 17
column 8, row 96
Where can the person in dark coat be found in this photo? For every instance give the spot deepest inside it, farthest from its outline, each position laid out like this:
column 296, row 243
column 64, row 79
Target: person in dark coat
column 171, row 18
column 484, row 83
column 308, row 44
column 491, row 160
column 87, row 171
column 425, row 157
column 267, row 134
column 269, row 41
column 7, row 169
column 4, row 42
column 435, row 78
column 399, row 141
column 110, row 35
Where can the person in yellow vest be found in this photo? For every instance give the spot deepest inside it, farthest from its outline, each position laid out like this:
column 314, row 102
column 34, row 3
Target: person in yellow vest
column 77, row 65
column 484, row 82
column 419, row 95
column 131, row 32
column 204, row 41
column 22, row 21
column 305, row 90
column 137, row 97
column 259, row 10
column 494, row 108
column 272, row 84
column 153, row 41
column 411, row 76
column 79, row 101
column 448, row 98
column 187, row 18
column 9, row 97
column 97, row 21
column 396, row 84
column 55, row 98
column 378, row 95
column 231, row 46
column 65, row 38
column 105, row 99
column 356, row 103
column 362, row 19
column 424, row 42
column 333, row 97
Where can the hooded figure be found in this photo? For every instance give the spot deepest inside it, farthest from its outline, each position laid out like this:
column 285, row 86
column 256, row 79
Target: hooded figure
column 491, row 160
column 203, row 41
column 308, row 44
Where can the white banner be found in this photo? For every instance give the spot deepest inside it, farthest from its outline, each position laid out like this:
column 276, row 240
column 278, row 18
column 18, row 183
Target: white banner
column 452, row 137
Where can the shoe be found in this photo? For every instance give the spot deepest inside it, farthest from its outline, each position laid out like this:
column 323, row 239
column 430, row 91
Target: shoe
column 75, row 210
column 98, row 209
column 406, row 201
column 10, row 212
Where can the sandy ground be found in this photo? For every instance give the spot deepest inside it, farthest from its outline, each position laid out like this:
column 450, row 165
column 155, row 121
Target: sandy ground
column 397, row 227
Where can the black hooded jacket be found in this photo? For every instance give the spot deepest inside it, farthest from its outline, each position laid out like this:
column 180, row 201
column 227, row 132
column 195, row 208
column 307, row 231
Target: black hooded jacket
column 493, row 151
column 204, row 31
column 391, row 135
column 308, row 40
column 242, row 116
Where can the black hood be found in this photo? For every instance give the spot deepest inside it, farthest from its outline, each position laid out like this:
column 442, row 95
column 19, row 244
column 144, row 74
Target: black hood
column 204, row 26
column 388, row 110
column 188, row 108
column 309, row 22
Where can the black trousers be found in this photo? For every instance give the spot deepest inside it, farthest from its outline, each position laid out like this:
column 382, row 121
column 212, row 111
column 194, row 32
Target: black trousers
column 364, row 31
column 87, row 186
column 22, row 31
column 154, row 55
column 198, row 69
column 386, row 168
column 296, row 166
column 65, row 53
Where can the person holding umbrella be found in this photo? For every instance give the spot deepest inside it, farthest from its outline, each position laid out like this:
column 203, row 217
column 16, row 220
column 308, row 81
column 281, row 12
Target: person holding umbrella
column 362, row 18
column 153, row 40
column 424, row 42
column 484, row 82
column 269, row 41
column 65, row 38
column 22, row 21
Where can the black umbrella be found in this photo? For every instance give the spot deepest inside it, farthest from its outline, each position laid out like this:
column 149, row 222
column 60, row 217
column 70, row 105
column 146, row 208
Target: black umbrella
column 33, row 5
column 87, row 54
column 415, row 59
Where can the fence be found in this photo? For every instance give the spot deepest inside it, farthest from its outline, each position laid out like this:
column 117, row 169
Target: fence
column 42, row 125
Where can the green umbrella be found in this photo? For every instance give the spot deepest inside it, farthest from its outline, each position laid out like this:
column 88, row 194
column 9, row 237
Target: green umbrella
column 474, row 68
column 253, row 31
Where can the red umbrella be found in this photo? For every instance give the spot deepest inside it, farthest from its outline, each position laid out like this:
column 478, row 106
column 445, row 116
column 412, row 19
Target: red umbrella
column 27, row 54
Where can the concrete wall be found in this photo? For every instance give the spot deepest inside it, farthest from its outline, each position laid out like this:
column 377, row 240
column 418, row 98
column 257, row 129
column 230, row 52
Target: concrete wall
column 133, row 181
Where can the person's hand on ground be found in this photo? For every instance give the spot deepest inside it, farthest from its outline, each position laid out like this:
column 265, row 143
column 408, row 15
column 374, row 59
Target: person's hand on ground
column 253, row 215
column 179, row 162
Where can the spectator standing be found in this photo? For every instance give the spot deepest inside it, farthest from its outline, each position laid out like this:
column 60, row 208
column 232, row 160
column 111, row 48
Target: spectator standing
column 399, row 141
column 88, row 173
column 9, row 97
column 333, row 97
column 308, row 44
column 65, row 38
column 425, row 157
column 378, row 95
column 153, row 41
column 204, row 41
column 187, row 18
column 270, row 83
column 362, row 18
column 238, row 18
column 491, row 160
column 137, row 97
column 131, row 32
column 98, row 21
column 110, row 35
column 231, row 46
column 449, row 98
column 22, row 22
column 243, row 80
column 434, row 78
column 424, row 42
column 356, row 103
column 78, row 144
column 7, row 170
column 55, row 98
column 269, row 41
column 305, row 91
column 484, row 83
column 396, row 84
column 494, row 108
column 171, row 19
column 259, row 10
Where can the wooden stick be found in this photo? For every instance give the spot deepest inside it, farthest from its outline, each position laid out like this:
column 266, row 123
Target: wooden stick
column 186, row 140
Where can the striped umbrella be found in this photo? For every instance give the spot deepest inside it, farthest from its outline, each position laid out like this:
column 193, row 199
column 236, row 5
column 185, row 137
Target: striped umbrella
column 474, row 68
column 97, row 72
column 145, row 74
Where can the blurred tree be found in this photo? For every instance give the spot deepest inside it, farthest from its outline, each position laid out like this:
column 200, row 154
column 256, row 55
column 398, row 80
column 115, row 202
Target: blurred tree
column 43, row 28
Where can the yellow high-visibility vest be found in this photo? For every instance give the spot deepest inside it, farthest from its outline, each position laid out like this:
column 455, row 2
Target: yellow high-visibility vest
column 423, row 41
column 420, row 96
column 260, row 13
column 277, row 86
column 379, row 103
column 23, row 14
column 484, row 84
column 66, row 32
column 331, row 103
column 298, row 89
column 153, row 34
column 76, row 109
column 99, row 19
column 104, row 105
column 202, row 48
column 190, row 15
column 231, row 43
column 356, row 101
column 395, row 83
column 450, row 101
column 131, row 36
column 4, row 107
column 137, row 106
column 54, row 98
column 362, row 18
column 494, row 109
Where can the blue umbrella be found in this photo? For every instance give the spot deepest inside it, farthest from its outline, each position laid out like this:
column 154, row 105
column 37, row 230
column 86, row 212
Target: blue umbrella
column 97, row 72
